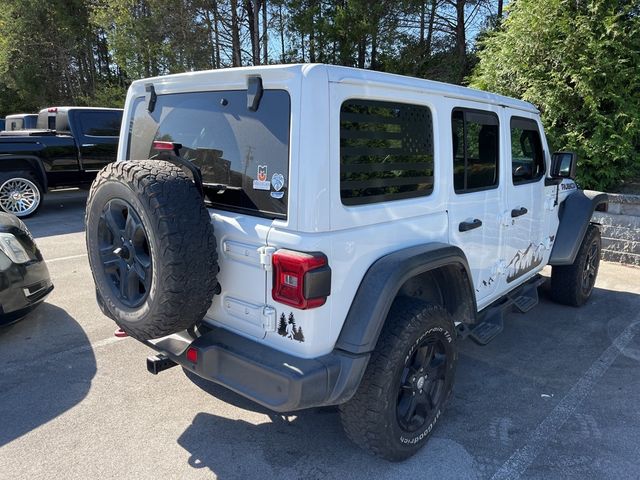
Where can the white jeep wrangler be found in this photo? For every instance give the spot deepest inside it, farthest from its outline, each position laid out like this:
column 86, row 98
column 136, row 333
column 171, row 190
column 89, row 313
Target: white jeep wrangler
column 364, row 222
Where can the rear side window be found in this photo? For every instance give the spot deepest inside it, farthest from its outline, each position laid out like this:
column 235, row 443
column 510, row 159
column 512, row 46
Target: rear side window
column 100, row 124
column 527, row 156
column 475, row 150
column 243, row 155
column 386, row 151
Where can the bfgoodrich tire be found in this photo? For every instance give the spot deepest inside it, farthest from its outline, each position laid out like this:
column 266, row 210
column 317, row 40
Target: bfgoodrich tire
column 151, row 247
column 573, row 284
column 407, row 383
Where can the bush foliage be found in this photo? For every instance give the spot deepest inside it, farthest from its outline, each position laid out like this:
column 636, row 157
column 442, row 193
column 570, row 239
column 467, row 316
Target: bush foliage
column 578, row 61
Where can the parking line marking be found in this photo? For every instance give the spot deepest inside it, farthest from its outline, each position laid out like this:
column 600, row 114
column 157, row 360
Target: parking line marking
column 60, row 355
column 59, row 259
column 518, row 463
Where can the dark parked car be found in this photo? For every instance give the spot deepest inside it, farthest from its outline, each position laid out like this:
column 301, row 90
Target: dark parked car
column 24, row 277
column 2, row 123
column 20, row 121
column 67, row 149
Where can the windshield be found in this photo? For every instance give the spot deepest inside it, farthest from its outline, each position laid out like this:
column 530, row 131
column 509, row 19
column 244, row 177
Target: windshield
column 243, row 155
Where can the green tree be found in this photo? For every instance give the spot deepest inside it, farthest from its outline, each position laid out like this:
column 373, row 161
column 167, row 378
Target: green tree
column 579, row 62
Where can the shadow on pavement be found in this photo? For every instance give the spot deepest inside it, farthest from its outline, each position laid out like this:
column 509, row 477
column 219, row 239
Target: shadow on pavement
column 503, row 392
column 47, row 368
column 62, row 212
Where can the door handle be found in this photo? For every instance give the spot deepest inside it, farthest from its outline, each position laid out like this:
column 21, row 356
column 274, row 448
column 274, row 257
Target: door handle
column 88, row 145
column 518, row 212
column 466, row 226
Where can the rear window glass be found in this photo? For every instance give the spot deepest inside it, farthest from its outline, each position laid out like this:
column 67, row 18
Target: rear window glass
column 386, row 151
column 100, row 124
column 243, row 155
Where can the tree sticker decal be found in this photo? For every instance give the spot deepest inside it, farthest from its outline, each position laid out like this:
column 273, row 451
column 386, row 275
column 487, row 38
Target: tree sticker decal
column 282, row 325
column 288, row 329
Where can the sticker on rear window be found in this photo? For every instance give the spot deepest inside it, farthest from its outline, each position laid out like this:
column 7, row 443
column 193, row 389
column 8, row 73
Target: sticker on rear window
column 261, row 185
column 277, row 180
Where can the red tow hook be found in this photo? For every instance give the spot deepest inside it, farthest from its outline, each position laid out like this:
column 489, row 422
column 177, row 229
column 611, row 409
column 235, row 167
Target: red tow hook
column 120, row 333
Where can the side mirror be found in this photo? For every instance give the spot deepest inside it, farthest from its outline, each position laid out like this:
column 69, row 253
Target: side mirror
column 563, row 165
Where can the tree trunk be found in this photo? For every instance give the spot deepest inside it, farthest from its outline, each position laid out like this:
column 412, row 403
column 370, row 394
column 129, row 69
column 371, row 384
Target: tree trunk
column 432, row 19
column 312, row 43
column 235, row 35
column 265, row 37
column 253, row 10
column 362, row 51
column 374, row 49
column 422, row 24
column 216, row 33
column 500, row 2
column 461, row 40
column 282, row 57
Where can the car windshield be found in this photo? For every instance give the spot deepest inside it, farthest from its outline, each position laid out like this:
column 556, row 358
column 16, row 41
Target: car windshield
column 243, row 154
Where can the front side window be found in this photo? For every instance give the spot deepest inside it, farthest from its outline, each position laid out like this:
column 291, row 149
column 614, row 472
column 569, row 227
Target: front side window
column 475, row 150
column 527, row 156
column 243, row 154
column 386, row 151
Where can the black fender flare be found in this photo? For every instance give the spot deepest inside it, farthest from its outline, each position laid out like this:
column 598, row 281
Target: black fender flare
column 575, row 215
column 380, row 286
column 12, row 163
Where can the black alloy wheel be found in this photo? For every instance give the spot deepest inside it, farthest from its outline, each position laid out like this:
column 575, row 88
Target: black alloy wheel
column 590, row 269
column 422, row 384
column 125, row 253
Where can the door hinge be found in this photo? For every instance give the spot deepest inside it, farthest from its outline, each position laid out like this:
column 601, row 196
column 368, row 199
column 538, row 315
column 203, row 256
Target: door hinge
column 266, row 257
column 269, row 319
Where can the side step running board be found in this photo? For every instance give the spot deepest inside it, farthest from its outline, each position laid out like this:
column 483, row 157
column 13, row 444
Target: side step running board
column 492, row 318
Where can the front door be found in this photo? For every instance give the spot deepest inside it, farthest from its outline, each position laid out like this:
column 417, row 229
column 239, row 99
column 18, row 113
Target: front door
column 525, row 245
column 475, row 222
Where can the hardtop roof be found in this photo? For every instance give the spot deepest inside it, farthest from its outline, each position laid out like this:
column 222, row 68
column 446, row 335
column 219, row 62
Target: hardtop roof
column 340, row 74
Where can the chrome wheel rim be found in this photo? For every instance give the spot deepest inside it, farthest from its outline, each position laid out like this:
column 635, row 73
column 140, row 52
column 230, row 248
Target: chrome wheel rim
column 19, row 196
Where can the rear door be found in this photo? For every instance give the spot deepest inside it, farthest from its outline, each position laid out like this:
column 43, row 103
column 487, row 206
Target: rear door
column 97, row 135
column 244, row 157
column 477, row 202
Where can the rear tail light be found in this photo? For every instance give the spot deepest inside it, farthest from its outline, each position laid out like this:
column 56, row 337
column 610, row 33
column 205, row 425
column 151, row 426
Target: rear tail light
column 53, row 110
column 301, row 280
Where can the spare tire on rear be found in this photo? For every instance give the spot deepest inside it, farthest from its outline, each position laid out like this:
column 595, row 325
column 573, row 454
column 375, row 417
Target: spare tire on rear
column 151, row 247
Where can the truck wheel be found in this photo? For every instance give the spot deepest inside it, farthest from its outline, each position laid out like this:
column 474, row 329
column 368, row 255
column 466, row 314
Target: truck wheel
column 407, row 383
column 573, row 284
column 151, row 247
column 20, row 193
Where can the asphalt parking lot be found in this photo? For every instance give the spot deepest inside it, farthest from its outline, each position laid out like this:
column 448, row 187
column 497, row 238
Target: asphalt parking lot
column 555, row 396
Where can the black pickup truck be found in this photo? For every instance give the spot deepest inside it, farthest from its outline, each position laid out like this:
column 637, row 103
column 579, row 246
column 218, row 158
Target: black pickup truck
column 67, row 148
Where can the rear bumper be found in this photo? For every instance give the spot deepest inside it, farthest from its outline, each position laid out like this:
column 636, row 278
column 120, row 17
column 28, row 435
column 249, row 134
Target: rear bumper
column 276, row 380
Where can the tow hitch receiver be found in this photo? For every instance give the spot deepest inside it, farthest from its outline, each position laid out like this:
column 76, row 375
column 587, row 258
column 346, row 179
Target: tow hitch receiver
column 159, row 362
